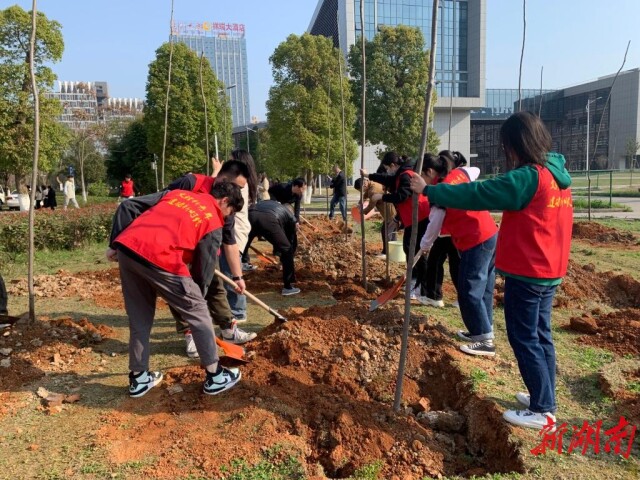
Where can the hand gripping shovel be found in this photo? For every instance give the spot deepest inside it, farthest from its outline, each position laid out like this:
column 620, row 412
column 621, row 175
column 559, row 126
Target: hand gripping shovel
column 262, row 256
column 390, row 293
column 252, row 297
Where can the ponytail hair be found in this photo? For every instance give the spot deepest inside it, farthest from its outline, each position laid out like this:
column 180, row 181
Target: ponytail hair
column 252, row 180
column 442, row 164
column 456, row 158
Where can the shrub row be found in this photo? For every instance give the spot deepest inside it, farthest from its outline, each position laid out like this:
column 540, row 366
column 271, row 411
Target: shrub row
column 56, row 230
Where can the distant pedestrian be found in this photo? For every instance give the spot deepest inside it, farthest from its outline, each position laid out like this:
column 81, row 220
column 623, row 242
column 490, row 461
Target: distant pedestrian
column 128, row 188
column 70, row 192
column 288, row 193
column 52, row 203
column 339, row 186
column 38, row 198
column 3, row 298
column 263, row 188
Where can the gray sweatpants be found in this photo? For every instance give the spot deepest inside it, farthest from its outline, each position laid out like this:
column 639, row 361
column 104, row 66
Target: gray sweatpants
column 141, row 285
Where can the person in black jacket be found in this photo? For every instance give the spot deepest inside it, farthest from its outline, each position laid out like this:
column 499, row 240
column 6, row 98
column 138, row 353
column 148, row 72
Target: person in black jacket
column 339, row 185
column 289, row 193
column 276, row 224
column 3, row 298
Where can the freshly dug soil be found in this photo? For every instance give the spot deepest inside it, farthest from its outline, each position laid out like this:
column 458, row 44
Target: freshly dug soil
column 597, row 233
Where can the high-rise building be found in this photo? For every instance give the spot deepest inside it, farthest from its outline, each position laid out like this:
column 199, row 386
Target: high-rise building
column 224, row 45
column 460, row 55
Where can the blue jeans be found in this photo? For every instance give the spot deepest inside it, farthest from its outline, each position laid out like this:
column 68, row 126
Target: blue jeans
column 342, row 202
column 476, row 280
column 237, row 302
column 527, row 312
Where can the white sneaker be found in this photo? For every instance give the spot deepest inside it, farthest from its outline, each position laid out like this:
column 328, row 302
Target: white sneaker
column 415, row 293
column 290, row 291
column 431, row 302
column 523, row 398
column 236, row 335
column 222, row 380
column 381, row 256
column 192, row 351
column 527, row 418
column 141, row 383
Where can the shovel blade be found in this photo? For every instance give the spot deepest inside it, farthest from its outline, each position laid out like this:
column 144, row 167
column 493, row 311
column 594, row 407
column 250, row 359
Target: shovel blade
column 387, row 295
column 231, row 350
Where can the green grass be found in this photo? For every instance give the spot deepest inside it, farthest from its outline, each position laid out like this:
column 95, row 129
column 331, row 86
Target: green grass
column 580, row 203
column 368, row 472
column 277, row 464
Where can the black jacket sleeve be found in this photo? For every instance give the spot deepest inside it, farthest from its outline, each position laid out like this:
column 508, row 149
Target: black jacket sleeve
column 401, row 193
column 128, row 211
column 205, row 259
column 388, row 181
column 186, row 182
column 228, row 232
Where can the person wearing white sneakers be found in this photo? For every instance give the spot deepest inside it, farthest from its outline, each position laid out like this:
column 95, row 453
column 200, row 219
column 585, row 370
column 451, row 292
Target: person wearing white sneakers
column 532, row 252
column 474, row 234
column 166, row 245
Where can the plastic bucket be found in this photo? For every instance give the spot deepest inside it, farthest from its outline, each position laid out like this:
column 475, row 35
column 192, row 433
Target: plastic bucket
column 396, row 254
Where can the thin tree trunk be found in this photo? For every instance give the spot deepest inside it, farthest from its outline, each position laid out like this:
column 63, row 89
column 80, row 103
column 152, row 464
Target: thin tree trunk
column 540, row 108
column 364, row 139
column 328, row 137
column 34, row 172
column 414, row 229
column 166, row 103
column 344, row 137
column 206, row 117
column 82, row 158
column 524, row 36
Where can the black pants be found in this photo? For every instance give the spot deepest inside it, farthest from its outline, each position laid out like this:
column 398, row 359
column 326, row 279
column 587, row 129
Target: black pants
column 419, row 272
column 284, row 241
column 3, row 297
column 442, row 248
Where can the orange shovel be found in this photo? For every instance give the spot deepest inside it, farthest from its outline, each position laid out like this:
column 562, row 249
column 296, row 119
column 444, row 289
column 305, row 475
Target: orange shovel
column 390, row 293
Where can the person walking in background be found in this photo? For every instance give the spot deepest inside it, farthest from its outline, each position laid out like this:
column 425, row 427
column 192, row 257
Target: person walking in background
column 263, row 188
column 397, row 180
column 166, row 245
column 128, row 188
column 38, row 198
column 474, row 235
column 387, row 210
column 70, row 192
column 3, row 298
column 290, row 193
column 532, row 253
column 339, row 185
column 277, row 225
column 52, row 203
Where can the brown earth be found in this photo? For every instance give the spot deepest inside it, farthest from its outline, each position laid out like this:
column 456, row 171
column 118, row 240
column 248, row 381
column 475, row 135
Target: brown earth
column 617, row 331
column 321, row 384
column 597, row 233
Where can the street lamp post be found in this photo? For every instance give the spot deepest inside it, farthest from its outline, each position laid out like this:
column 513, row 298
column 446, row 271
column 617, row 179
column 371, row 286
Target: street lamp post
column 589, row 102
column 226, row 133
column 254, row 131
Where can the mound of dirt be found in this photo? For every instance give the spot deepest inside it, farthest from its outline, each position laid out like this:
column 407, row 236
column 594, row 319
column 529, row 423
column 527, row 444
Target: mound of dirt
column 57, row 345
column 616, row 380
column 617, row 331
column 597, row 233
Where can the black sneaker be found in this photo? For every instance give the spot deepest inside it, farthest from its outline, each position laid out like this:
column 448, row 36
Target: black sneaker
column 222, row 380
column 141, row 383
column 484, row 347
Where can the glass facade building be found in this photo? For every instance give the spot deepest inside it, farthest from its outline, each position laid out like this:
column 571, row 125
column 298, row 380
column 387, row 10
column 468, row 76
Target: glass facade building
column 225, row 47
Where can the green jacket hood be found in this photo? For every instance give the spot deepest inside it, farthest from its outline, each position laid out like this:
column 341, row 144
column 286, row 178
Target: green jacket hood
column 556, row 165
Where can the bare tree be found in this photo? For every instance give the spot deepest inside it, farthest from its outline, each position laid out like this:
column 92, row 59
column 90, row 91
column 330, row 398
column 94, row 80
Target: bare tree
column 364, row 138
column 166, row 103
column 524, row 37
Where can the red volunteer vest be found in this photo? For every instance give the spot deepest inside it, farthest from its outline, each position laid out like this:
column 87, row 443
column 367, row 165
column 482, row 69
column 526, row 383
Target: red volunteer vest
column 535, row 241
column 467, row 228
column 405, row 208
column 127, row 188
column 203, row 183
column 167, row 234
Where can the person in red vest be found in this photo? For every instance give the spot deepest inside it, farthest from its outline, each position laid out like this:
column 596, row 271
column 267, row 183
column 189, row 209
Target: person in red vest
column 474, row 234
column 128, row 189
column 166, row 245
column 532, row 251
column 399, row 172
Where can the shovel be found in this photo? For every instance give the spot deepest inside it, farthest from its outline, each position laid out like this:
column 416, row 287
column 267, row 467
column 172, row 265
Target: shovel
column 262, row 256
column 231, row 350
column 252, row 297
column 308, row 223
column 390, row 293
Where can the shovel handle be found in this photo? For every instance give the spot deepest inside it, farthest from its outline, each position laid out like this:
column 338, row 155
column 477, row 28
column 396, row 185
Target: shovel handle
column 262, row 255
column 308, row 223
column 252, row 297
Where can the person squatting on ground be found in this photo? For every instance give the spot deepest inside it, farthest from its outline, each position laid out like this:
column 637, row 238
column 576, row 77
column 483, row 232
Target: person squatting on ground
column 533, row 248
column 387, row 211
column 339, row 186
column 398, row 181
column 128, row 188
column 474, row 235
column 216, row 297
column 70, row 193
column 289, row 193
column 277, row 225
column 166, row 245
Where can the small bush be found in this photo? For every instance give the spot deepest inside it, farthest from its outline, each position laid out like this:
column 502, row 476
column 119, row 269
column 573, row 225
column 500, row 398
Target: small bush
column 99, row 189
column 58, row 229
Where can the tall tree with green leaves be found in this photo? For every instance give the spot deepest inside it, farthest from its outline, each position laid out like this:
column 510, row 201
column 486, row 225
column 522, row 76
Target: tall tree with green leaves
column 16, row 92
column 186, row 149
column 304, row 109
column 397, row 76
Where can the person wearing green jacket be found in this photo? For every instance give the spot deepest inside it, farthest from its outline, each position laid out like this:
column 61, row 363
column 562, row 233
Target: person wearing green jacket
column 532, row 251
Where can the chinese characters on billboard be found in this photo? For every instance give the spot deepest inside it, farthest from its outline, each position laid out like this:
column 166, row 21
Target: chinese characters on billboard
column 208, row 29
